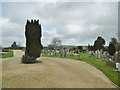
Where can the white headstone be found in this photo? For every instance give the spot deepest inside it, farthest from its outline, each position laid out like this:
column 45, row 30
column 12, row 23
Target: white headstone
column 115, row 57
column 97, row 54
column 118, row 66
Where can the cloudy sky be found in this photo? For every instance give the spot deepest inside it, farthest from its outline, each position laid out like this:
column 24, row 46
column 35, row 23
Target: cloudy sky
column 75, row 23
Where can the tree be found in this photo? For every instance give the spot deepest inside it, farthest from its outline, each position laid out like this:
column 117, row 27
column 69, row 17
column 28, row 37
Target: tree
column 114, row 41
column 111, row 49
column 33, row 34
column 56, row 43
column 90, row 47
column 14, row 45
column 99, row 43
column 80, row 48
column 50, row 47
column 73, row 48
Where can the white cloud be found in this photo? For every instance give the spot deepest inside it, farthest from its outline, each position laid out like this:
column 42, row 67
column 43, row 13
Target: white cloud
column 6, row 24
column 74, row 29
column 11, row 32
column 93, row 27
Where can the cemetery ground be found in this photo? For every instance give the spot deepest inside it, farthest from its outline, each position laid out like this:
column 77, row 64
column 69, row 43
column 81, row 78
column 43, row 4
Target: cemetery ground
column 52, row 73
column 109, row 71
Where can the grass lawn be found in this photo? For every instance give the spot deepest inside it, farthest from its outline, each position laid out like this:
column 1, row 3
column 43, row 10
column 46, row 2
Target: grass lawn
column 23, row 49
column 99, row 64
column 9, row 54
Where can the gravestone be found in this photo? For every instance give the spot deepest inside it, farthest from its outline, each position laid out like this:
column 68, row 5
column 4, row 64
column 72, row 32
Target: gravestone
column 97, row 54
column 33, row 41
column 87, row 52
column 118, row 66
column 64, row 52
column 115, row 56
column 61, row 52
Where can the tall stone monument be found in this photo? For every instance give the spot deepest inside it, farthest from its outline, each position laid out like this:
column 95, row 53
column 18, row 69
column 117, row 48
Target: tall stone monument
column 33, row 41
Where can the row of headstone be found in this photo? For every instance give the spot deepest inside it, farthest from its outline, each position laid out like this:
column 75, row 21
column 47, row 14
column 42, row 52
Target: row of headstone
column 62, row 52
column 99, row 54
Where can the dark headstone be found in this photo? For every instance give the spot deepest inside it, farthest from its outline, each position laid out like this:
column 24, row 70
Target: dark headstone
column 33, row 41
column 65, row 52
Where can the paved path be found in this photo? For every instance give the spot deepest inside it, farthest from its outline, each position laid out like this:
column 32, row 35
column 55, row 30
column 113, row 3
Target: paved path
column 51, row 73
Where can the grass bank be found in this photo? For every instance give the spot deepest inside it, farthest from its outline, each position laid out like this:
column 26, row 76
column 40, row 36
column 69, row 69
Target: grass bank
column 8, row 54
column 99, row 64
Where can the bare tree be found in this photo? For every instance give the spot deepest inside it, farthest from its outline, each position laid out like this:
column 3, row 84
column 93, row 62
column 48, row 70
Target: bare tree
column 56, row 43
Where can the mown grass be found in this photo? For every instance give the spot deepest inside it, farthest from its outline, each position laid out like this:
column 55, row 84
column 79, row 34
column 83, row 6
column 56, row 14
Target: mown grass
column 7, row 55
column 23, row 49
column 99, row 64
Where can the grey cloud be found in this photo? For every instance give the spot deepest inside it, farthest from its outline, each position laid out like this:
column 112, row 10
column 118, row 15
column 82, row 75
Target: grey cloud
column 55, row 17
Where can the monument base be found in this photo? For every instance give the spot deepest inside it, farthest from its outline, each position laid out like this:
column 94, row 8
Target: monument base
column 27, row 59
